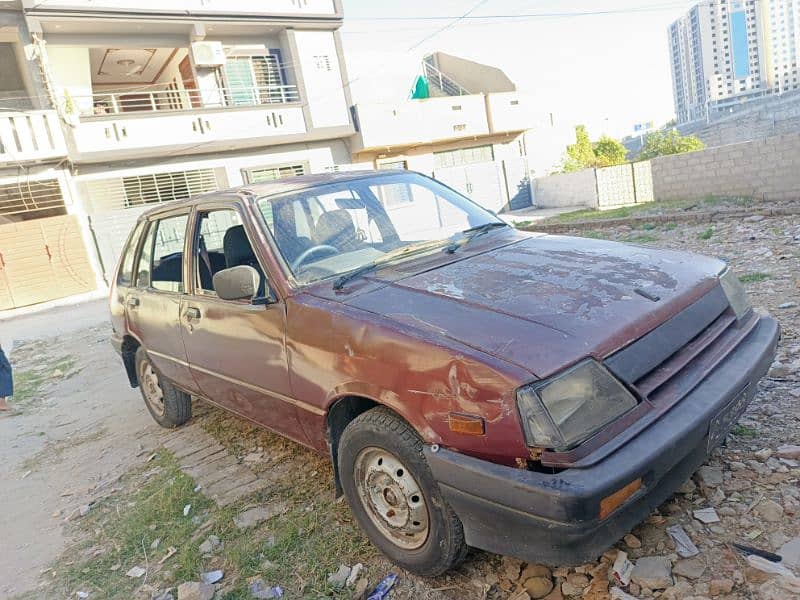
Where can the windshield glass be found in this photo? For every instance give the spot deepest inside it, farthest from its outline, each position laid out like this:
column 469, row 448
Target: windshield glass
column 326, row 231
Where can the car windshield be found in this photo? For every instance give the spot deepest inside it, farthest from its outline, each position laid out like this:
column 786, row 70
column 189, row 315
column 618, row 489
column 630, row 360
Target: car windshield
column 330, row 230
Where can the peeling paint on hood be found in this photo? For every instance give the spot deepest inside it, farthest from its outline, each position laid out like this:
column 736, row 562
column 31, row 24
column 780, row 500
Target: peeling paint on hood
column 547, row 302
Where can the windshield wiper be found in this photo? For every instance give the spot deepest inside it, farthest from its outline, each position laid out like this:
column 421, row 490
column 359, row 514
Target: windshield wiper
column 385, row 259
column 471, row 233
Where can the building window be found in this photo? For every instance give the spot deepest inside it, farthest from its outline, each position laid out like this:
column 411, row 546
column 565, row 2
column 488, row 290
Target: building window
column 32, row 199
column 166, row 187
column 254, row 79
column 272, row 173
column 463, row 156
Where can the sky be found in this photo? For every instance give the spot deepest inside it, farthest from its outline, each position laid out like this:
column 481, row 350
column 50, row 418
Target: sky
column 607, row 71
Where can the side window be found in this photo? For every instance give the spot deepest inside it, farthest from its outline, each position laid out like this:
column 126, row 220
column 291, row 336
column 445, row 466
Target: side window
column 125, row 275
column 167, row 264
column 143, row 268
column 221, row 243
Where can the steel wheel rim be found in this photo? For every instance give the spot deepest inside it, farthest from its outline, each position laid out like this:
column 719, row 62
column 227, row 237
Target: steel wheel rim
column 392, row 498
column 151, row 388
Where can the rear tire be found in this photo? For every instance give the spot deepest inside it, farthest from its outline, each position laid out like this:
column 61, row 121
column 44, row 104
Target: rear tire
column 168, row 405
column 393, row 495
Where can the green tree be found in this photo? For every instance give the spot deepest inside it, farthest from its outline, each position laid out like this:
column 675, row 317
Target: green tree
column 662, row 143
column 583, row 154
column 580, row 155
column 609, row 152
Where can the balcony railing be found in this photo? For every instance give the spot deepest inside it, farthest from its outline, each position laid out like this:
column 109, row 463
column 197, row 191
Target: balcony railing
column 446, row 84
column 133, row 101
column 30, row 136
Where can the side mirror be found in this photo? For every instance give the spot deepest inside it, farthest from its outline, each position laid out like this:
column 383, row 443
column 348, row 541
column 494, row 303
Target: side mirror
column 237, row 283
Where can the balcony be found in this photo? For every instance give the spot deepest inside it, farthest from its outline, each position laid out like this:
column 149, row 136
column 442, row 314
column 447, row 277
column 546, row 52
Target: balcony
column 421, row 121
column 198, row 7
column 441, row 119
column 125, row 125
column 169, row 100
column 30, row 136
column 136, row 102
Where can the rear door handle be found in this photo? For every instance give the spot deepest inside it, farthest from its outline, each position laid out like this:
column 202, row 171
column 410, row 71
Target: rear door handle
column 193, row 314
column 133, row 302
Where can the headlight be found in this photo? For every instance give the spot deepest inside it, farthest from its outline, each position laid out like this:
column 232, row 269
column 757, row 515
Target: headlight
column 563, row 411
column 734, row 290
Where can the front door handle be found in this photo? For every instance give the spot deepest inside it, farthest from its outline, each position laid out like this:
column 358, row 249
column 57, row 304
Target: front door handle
column 193, row 314
column 133, row 301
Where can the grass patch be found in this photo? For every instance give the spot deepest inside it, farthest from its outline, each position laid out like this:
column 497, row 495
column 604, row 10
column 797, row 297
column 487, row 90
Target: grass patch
column 30, row 383
column 744, row 431
column 590, row 214
column 642, row 238
column 296, row 550
column 660, row 207
column 670, row 226
column 706, row 234
column 119, row 531
column 522, row 224
column 755, row 277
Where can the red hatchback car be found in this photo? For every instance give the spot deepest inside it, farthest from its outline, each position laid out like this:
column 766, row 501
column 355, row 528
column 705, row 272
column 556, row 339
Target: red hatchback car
column 528, row 394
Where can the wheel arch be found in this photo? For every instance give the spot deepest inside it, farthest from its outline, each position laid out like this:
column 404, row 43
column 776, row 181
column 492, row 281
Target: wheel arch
column 340, row 413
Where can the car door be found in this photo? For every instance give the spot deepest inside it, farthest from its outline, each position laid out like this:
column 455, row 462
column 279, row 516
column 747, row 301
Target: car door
column 236, row 350
column 152, row 305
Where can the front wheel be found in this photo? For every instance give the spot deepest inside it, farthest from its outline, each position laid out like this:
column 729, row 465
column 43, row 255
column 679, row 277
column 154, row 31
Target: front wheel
column 394, row 497
column 168, row 405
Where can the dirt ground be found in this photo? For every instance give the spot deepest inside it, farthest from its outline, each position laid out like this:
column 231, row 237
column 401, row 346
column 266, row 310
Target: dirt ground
column 80, row 434
column 76, row 427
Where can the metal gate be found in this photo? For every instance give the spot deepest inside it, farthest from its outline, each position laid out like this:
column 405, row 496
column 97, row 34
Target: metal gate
column 482, row 182
column 497, row 185
column 41, row 260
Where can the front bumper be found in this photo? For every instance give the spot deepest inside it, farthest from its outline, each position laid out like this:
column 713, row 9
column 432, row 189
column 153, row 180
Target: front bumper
column 553, row 519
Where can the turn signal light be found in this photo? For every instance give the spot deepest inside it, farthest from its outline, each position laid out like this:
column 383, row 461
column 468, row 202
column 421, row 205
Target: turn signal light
column 467, row 424
column 611, row 503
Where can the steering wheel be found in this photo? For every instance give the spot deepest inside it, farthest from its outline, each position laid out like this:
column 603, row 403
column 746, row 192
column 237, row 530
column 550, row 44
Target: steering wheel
column 313, row 251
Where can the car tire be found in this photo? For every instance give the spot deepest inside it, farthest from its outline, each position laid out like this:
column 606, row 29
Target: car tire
column 393, row 495
column 168, row 405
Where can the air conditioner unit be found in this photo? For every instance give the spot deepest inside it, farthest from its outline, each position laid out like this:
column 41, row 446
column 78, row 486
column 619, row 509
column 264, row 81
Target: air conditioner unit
column 208, row 54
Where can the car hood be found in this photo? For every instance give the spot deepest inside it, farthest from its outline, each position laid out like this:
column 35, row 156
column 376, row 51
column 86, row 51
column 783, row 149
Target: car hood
column 546, row 302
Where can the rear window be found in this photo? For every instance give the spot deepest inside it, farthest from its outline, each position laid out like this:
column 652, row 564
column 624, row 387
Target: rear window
column 125, row 275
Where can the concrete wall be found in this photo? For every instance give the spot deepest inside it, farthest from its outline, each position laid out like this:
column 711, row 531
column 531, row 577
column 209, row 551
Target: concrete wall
column 566, row 189
column 767, row 169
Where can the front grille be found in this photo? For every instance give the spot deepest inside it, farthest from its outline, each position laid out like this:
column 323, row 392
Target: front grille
column 669, row 362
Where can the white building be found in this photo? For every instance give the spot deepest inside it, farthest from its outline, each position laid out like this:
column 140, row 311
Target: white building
column 725, row 53
column 474, row 132
column 111, row 106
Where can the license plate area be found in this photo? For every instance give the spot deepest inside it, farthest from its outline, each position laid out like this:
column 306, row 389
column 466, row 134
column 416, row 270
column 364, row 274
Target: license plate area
column 724, row 420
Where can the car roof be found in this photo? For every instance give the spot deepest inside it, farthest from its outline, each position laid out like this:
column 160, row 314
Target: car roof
column 276, row 187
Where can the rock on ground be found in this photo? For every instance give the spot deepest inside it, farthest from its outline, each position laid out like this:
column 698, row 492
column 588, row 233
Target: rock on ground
column 254, row 516
column 653, row 572
column 195, row 590
column 691, row 568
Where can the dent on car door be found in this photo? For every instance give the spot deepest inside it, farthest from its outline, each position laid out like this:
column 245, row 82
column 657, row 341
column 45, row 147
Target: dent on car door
column 153, row 305
column 236, row 349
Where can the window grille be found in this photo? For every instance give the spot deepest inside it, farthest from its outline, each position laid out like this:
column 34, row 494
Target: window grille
column 28, row 196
